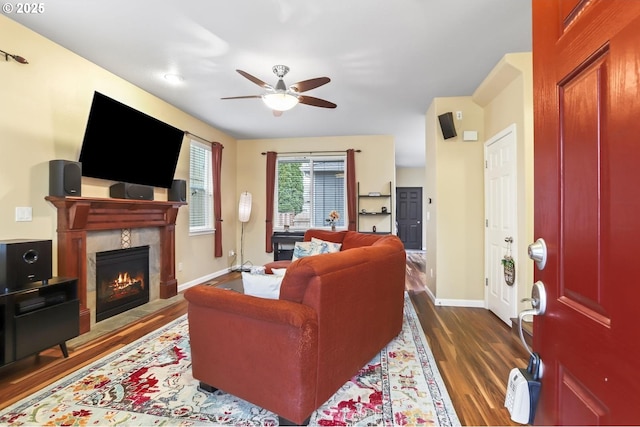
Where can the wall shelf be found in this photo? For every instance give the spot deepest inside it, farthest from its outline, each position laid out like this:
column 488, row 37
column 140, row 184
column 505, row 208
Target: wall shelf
column 366, row 212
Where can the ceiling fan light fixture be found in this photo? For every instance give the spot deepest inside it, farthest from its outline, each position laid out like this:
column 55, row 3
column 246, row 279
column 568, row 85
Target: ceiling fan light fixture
column 280, row 101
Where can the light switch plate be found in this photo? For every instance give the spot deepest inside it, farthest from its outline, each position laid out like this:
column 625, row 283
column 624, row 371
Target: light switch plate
column 24, row 214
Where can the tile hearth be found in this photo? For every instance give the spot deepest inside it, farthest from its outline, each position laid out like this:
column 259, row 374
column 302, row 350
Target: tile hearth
column 118, row 321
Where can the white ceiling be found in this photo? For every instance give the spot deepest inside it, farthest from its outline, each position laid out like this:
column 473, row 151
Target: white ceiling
column 387, row 60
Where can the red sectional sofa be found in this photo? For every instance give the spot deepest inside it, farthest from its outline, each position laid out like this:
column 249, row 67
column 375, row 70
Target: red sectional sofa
column 289, row 355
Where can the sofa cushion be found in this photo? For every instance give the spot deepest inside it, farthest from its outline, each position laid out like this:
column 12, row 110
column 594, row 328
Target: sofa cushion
column 354, row 239
column 295, row 282
column 326, row 235
column 262, row 285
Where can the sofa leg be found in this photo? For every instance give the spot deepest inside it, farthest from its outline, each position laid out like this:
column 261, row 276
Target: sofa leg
column 285, row 422
column 207, row 387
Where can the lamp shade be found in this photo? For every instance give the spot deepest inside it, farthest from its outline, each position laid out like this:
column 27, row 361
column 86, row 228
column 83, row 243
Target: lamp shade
column 244, row 207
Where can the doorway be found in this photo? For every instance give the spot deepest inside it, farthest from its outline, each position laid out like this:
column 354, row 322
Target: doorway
column 501, row 226
column 409, row 216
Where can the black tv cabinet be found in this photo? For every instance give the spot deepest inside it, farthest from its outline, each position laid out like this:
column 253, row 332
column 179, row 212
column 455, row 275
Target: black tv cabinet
column 36, row 316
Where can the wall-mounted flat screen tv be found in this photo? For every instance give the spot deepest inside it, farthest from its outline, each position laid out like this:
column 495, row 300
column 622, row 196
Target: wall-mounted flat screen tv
column 126, row 145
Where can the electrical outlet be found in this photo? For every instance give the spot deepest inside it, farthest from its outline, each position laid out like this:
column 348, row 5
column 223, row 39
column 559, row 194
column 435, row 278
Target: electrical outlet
column 179, row 266
column 232, row 252
column 459, row 115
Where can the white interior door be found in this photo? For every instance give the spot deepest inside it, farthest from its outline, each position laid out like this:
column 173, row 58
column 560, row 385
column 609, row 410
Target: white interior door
column 500, row 221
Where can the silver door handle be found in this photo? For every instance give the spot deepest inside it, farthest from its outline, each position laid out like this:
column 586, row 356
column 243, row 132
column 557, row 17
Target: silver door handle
column 538, row 252
column 539, row 306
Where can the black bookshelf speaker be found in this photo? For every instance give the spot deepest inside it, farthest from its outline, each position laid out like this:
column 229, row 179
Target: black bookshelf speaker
column 447, row 126
column 124, row 190
column 178, row 191
column 65, row 178
column 24, row 261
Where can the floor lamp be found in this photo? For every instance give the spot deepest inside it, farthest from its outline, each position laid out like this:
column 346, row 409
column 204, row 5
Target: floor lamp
column 244, row 212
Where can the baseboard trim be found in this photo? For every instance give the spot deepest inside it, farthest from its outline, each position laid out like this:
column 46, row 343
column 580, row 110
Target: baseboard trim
column 459, row 303
column 203, row 279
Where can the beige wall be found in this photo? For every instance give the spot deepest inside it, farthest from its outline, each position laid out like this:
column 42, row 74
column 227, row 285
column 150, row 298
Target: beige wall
column 375, row 168
column 454, row 178
column 43, row 114
column 506, row 96
column 455, row 228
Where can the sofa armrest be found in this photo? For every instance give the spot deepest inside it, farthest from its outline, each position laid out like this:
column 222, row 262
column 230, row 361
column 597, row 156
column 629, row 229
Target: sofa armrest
column 283, row 263
column 262, row 350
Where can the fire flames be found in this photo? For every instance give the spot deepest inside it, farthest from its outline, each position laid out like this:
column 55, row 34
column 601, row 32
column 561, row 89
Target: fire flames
column 126, row 285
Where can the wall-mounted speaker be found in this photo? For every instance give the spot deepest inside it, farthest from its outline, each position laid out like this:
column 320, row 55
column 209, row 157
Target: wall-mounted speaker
column 24, row 261
column 447, row 126
column 124, row 190
column 178, row 191
column 65, row 178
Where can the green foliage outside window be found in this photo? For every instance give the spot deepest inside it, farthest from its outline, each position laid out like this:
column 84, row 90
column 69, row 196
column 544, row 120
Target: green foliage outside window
column 291, row 187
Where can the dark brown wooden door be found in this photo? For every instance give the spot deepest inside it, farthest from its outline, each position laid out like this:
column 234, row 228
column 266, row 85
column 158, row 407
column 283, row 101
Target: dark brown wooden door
column 409, row 216
column 586, row 57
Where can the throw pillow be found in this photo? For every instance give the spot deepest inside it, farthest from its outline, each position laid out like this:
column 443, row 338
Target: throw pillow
column 327, row 247
column 279, row 271
column 262, row 285
column 304, row 249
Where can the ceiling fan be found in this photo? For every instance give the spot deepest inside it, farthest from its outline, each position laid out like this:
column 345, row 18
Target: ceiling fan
column 282, row 98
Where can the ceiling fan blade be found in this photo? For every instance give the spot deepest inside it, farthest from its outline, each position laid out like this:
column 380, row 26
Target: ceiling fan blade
column 306, row 85
column 255, row 79
column 316, row 102
column 243, row 97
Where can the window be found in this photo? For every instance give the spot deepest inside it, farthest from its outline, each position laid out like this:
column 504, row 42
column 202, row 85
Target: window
column 201, row 189
column 307, row 189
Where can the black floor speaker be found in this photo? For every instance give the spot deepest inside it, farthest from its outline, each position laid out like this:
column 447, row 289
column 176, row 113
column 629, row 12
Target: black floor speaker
column 123, row 190
column 178, row 191
column 447, row 126
column 65, row 178
column 24, row 261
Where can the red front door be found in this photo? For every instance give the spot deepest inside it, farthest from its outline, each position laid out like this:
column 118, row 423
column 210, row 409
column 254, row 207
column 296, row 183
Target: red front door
column 586, row 56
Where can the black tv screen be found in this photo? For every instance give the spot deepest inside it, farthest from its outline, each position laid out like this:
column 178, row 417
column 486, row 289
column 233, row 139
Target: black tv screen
column 123, row 144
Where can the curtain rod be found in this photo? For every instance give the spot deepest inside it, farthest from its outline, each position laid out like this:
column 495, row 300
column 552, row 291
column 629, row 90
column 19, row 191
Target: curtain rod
column 312, row 152
column 186, row 132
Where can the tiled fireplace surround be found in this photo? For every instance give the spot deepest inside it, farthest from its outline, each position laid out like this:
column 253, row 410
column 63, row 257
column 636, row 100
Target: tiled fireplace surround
column 90, row 225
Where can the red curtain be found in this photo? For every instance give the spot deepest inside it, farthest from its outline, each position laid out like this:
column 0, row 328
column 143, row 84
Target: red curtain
column 216, row 164
column 271, row 185
column 351, row 189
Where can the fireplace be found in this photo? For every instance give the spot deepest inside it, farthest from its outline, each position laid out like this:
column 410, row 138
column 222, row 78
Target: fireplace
column 122, row 280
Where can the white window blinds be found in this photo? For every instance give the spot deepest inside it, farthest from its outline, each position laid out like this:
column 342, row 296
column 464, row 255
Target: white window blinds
column 201, row 188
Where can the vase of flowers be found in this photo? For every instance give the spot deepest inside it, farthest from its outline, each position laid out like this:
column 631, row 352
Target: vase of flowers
column 334, row 216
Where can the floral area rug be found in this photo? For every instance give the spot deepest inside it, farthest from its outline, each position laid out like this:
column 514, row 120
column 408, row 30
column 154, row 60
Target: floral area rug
column 149, row 383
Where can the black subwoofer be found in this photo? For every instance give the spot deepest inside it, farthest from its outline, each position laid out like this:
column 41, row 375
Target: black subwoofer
column 24, row 261
column 65, row 178
column 123, row 190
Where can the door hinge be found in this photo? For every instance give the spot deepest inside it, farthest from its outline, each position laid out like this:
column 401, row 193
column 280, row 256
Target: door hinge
column 486, row 164
column 486, row 223
column 486, row 281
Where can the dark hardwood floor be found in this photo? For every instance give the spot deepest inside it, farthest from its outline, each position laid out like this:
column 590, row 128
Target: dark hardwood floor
column 474, row 351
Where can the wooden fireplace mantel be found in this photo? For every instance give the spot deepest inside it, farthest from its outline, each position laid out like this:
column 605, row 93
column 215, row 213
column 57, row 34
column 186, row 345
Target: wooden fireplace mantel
column 78, row 215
